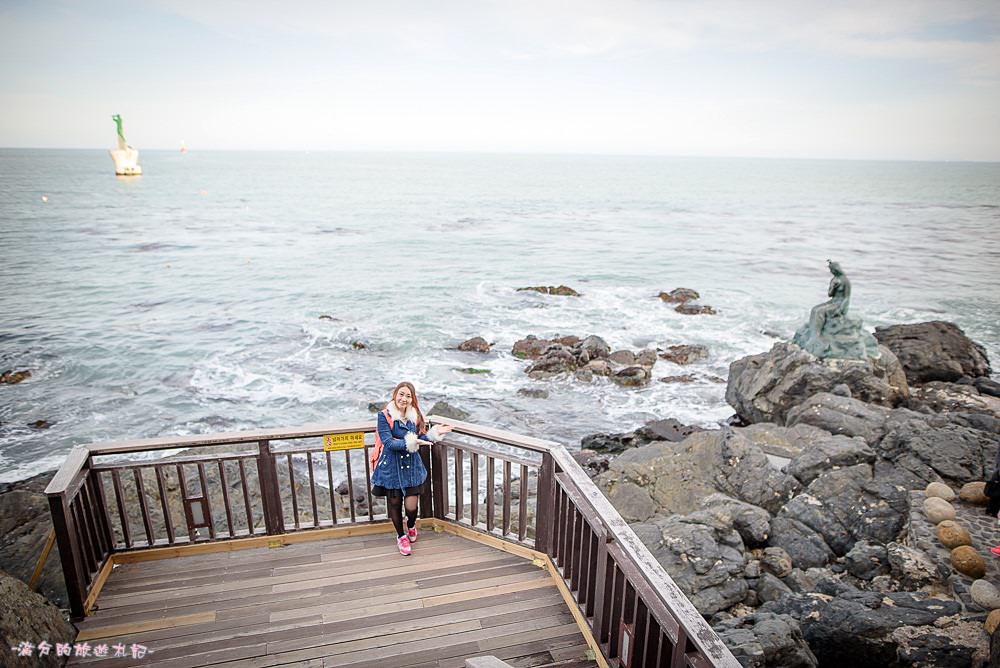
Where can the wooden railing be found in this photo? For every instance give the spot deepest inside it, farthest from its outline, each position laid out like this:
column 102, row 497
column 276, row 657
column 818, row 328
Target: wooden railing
column 515, row 488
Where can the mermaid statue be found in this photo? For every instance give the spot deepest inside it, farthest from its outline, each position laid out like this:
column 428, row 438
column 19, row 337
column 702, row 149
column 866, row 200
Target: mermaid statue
column 830, row 332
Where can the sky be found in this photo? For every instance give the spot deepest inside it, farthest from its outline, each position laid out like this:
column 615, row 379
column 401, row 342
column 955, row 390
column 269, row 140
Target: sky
column 886, row 79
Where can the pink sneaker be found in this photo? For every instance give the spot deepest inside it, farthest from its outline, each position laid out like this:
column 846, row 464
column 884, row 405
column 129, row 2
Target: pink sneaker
column 412, row 534
column 404, row 546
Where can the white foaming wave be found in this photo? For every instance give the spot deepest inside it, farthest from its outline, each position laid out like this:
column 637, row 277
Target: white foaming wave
column 220, row 379
column 24, row 470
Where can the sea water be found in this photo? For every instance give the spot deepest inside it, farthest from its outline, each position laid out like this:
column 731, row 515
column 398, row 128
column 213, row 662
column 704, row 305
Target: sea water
column 190, row 300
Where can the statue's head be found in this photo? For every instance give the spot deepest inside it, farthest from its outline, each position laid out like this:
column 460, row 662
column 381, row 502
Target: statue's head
column 834, row 268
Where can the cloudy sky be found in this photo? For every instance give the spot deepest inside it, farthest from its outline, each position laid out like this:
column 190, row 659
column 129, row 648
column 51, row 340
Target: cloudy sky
column 798, row 78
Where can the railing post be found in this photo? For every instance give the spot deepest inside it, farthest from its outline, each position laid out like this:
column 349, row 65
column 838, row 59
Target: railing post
column 439, row 479
column 427, row 498
column 602, row 588
column 270, row 495
column 545, row 503
column 69, row 554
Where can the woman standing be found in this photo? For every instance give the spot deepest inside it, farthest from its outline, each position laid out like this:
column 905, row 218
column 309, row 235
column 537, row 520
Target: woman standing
column 399, row 474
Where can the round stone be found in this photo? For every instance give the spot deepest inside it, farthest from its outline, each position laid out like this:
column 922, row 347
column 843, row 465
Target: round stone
column 952, row 534
column 972, row 492
column 985, row 594
column 938, row 510
column 992, row 621
column 966, row 560
column 940, row 490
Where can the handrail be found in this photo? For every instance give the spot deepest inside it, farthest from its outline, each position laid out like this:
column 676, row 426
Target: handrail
column 83, row 518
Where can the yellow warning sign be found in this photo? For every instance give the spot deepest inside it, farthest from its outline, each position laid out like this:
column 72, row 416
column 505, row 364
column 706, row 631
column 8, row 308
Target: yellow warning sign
column 355, row 439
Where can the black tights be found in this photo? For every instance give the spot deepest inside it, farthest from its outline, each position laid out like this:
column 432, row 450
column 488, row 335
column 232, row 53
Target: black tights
column 396, row 513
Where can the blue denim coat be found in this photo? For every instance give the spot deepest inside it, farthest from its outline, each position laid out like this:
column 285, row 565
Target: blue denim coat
column 398, row 468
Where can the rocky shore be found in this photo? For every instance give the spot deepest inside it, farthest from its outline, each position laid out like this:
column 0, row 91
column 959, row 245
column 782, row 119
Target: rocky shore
column 839, row 518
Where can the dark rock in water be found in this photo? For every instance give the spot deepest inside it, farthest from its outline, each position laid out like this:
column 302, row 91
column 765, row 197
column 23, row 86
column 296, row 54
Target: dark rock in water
column 475, row 345
column 530, row 347
column 595, row 347
column 685, row 354
column 561, row 290
column 534, row 393
column 473, row 371
column 765, row 387
column 624, row 357
column 24, row 526
column 892, row 629
column 935, row 350
column 556, row 359
column 359, row 345
column 40, row 424
column 326, row 317
column 11, row 377
column 376, row 406
column 679, row 295
column 766, row 640
column 444, row 409
column 27, row 617
column 694, row 309
column 633, row 376
column 686, row 378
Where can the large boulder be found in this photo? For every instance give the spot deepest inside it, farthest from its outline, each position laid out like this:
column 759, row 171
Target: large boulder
column 766, row 640
column 26, row 617
column 702, row 554
column 677, row 476
column 841, row 415
column 838, row 508
column 915, row 452
column 667, row 429
column 25, row 523
column 935, row 350
column 765, row 387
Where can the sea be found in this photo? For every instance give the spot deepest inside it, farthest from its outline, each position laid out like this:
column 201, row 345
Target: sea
column 228, row 290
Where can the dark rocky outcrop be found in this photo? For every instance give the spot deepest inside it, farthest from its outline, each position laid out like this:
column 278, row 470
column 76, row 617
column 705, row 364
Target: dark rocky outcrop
column 476, row 344
column 25, row 523
column 765, row 387
column 585, row 358
column 444, row 409
column 766, row 639
column 679, row 295
column 561, row 290
column 684, row 354
column 849, row 627
column 27, row 617
column 11, row 377
column 934, row 350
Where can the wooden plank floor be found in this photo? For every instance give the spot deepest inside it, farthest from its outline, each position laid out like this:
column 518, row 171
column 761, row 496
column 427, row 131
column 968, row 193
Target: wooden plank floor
column 352, row 601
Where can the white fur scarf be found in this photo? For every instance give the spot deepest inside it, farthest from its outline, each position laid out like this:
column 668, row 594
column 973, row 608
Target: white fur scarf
column 411, row 416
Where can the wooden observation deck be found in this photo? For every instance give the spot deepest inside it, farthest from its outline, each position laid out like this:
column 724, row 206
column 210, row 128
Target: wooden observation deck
column 242, row 552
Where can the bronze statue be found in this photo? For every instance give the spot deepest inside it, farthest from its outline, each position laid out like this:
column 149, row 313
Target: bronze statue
column 830, row 333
